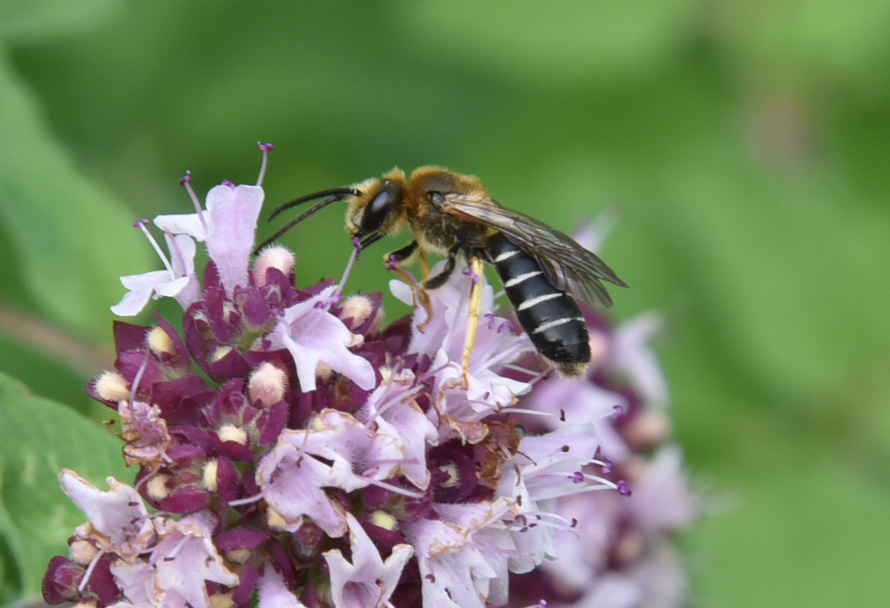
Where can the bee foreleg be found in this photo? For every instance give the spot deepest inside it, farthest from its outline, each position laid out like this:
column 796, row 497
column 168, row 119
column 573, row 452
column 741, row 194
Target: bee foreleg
column 473, row 315
column 398, row 256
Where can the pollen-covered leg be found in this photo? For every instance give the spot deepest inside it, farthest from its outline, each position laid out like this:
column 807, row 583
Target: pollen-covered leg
column 422, row 297
column 432, row 282
column 476, row 270
column 424, row 265
column 393, row 260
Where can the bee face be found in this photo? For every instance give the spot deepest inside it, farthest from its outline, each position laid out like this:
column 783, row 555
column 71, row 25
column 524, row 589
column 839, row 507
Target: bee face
column 379, row 207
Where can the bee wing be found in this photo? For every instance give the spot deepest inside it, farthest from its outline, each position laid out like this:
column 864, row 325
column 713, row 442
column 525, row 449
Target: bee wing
column 566, row 264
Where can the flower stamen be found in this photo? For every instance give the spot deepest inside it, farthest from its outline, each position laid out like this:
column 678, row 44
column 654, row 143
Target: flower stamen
column 186, row 182
column 349, row 264
column 266, row 148
column 141, row 224
column 89, row 571
column 135, row 384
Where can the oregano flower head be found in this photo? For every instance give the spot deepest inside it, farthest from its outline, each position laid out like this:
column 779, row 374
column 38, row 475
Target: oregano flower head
column 292, row 450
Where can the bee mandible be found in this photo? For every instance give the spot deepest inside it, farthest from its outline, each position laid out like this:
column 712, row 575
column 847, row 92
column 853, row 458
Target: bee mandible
column 542, row 269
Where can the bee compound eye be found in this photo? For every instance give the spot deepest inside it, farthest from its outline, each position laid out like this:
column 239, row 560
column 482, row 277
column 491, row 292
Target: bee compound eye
column 377, row 211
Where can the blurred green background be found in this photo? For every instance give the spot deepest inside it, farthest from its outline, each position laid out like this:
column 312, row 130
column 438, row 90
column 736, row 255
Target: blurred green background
column 745, row 146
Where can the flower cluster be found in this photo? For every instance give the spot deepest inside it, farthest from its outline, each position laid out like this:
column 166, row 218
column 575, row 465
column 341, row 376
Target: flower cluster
column 293, row 452
column 622, row 555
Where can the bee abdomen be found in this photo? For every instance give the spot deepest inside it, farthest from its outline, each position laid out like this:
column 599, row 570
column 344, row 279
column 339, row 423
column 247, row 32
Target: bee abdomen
column 550, row 317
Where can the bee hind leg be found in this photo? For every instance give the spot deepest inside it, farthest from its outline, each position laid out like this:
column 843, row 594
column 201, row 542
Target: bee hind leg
column 476, row 269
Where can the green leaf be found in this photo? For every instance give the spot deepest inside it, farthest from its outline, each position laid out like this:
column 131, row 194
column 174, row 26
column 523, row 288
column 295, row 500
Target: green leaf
column 36, row 517
column 72, row 239
column 43, row 18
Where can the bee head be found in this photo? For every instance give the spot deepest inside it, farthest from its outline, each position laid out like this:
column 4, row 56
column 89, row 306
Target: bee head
column 379, row 208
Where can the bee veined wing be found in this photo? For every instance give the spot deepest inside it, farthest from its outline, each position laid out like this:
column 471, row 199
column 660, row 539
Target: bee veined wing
column 566, row 264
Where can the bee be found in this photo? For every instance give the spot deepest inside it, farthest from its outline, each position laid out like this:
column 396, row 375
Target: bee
column 543, row 270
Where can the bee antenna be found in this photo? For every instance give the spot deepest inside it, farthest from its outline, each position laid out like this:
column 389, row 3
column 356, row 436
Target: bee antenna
column 340, row 193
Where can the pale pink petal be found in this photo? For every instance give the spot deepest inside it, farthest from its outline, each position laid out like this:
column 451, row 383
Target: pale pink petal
column 182, row 250
column 182, row 223
column 582, row 403
column 133, row 302
column 663, row 499
column 313, row 336
column 367, row 581
column 136, row 582
column 114, row 513
column 293, row 484
column 456, row 571
column 172, row 288
column 634, row 356
column 231, row 224
column 185, row 558
column 356, row 453
column 273, row 593
column 140, row 287
column 395, row 413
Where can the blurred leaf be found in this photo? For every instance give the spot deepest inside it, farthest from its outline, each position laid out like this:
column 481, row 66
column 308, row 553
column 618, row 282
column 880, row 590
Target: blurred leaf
column 53, row 379
column 44, row 437
column 812, row 44
column 762, row 260
column 30, row 19
column 72, row 240
column 792, row 511
column 552, row 41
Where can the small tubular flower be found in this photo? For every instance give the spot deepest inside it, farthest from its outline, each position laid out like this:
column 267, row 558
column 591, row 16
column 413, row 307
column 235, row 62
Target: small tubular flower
column 177, row 281
column 366, row 579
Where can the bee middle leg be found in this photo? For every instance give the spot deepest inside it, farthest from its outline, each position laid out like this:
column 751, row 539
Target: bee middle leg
column 421, row 298
column 440, row 278
column 434, row 282
column 424, row 265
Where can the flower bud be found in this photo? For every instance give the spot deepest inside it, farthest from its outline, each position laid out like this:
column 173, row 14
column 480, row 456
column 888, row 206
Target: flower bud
column 157, row 488
column 112, row 386
column 384, row 520
column 274, row 519
column 230, row 432
column 159, row 341
column 82, row 552
column 272, row 257
column 268, row 384
column 211, row 467
column 358, row 308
